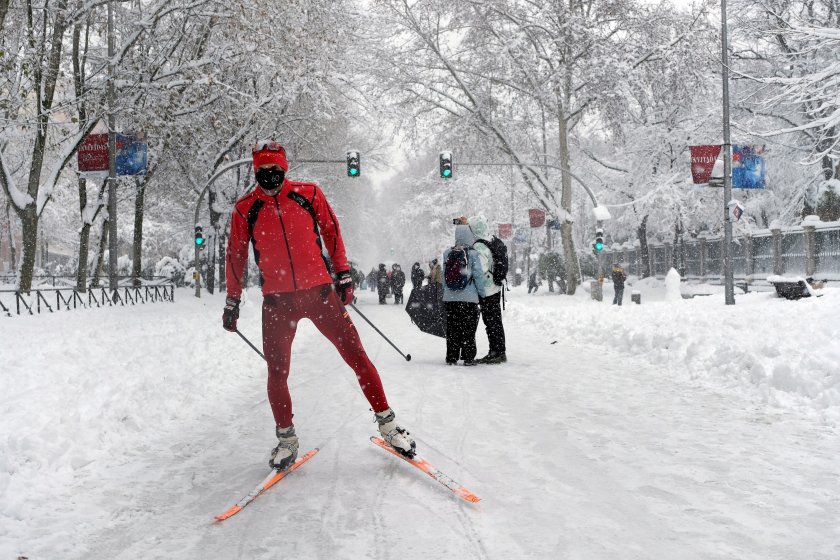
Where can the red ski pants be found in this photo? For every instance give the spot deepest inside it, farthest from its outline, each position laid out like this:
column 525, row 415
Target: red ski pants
column 280, row 316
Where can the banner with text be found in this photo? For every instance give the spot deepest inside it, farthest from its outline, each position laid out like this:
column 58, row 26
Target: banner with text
column 131, row 157
column 536, row 217
column 703, row 160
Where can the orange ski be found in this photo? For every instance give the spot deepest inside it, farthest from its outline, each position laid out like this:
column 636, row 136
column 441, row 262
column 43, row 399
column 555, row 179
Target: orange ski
column 269, row 481
column 427, row 468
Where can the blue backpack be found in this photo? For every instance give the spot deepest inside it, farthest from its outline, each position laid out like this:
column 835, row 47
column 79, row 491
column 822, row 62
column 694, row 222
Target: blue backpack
column 455, row 272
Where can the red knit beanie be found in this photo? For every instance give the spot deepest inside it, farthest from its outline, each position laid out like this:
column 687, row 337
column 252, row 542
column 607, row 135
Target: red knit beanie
column 266, row 156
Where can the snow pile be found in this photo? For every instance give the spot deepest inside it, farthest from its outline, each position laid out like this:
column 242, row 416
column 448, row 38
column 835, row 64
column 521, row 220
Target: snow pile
column 768, row 350
column 672, row 286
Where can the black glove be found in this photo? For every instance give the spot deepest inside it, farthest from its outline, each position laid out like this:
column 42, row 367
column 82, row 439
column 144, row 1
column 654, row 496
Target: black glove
column 230, row 314
column 344, row 287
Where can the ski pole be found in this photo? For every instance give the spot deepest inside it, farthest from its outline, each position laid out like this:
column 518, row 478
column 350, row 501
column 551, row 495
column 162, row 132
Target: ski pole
column 362, row 315
column 251, row 345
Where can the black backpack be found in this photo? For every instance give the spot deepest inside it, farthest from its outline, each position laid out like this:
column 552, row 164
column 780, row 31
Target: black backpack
column 500, row 258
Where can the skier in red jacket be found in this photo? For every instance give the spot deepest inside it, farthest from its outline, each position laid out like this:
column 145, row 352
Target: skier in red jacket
column 290, row 224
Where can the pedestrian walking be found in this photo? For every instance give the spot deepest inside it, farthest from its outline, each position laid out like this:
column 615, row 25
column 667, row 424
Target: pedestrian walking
column 618, row 278
column 417, row 276
column 382, row 282
column 492, row 253
column 288, row 222
column 436, row 278
column 533, row 283
column 463, row 285
column 397, row 283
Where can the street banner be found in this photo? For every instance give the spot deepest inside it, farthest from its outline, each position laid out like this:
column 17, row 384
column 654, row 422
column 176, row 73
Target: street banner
column 505, row 231
column 703, row 162
column 131, row 157
column 748, row 170
column 93, row 153
column 521, row 236
column 536, row 217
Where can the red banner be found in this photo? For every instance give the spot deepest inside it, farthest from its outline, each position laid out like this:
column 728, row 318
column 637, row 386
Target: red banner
column 505, row 231
column 93, row 153
column 703, row 162
column 537, row 217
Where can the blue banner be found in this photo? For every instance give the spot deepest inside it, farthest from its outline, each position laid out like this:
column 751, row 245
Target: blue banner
column 132, row 154
column 748, row 169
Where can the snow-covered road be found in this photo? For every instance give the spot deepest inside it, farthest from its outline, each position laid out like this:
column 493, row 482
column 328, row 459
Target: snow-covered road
column 125, row 431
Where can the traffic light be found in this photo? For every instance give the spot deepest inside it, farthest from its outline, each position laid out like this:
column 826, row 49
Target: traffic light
column 353, row 164
column 199, row 237
column 446, row 165
column 599, row 240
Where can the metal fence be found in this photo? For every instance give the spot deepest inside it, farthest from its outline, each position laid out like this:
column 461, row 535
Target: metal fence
column 812, row 249
column 43, row 300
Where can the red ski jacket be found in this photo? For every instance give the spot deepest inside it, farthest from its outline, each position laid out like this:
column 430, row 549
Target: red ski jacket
column 288, row 232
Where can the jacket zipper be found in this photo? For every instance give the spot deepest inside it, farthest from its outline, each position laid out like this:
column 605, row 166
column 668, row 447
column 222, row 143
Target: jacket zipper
column 286, row 239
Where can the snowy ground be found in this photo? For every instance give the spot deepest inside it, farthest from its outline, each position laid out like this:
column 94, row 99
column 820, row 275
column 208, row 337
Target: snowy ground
column 674, row 429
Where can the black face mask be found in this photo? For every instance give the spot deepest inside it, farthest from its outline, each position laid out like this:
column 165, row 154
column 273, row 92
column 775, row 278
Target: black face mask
column 270, row 179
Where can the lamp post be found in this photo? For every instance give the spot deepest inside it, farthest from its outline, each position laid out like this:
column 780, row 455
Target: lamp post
column 112, row 163
column 729, row 281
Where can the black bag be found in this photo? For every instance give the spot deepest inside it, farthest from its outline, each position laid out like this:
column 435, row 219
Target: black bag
column 500, row 258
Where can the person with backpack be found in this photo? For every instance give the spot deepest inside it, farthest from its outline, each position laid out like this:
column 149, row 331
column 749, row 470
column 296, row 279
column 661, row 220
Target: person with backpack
column 494, row 262
column 463, row 284
column 287, row 222
column 397, row 283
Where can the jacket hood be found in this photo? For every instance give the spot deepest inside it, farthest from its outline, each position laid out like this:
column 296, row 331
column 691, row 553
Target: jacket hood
column 464, row 235
column 479, row 227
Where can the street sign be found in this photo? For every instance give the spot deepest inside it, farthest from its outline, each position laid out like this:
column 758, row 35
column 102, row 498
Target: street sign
column 131, row 158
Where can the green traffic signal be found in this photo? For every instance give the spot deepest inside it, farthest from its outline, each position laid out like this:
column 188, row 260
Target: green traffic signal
column 446, row 165
column 354, row 167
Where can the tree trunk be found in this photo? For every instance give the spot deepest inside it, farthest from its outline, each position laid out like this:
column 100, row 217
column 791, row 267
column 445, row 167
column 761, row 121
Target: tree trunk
column 12, row 250
column 566, row 229
column 210, row 281
column 100, row 260
column 84, row 233
column 137, row 257
column 222, row 279
column 29, row 222
column 84, row 238
column 675, row 253
column 644, row 249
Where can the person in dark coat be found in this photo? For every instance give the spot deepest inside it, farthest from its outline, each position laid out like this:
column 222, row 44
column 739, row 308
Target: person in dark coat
column 618, row 278
column 417, row 276
column 533, row 284
column 371, row 279
column 382, row 282
column 436, row 279
column 397, row 283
